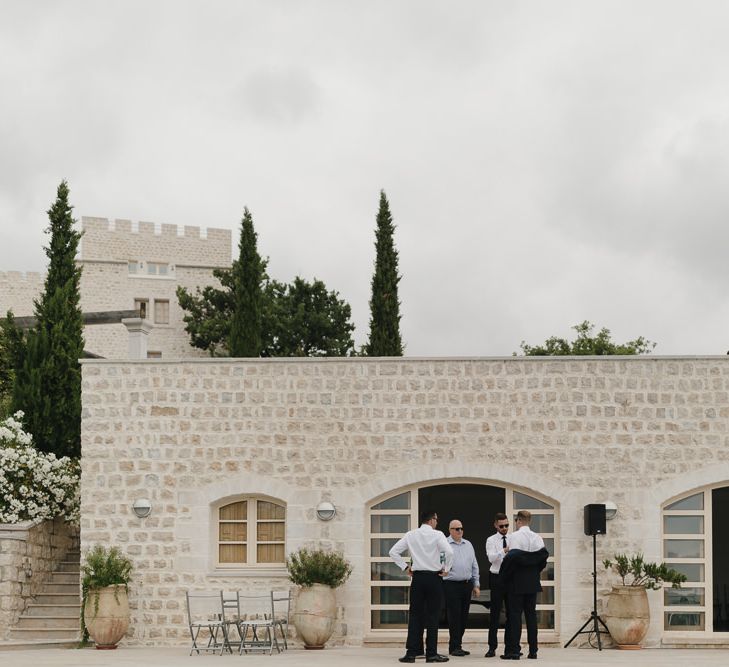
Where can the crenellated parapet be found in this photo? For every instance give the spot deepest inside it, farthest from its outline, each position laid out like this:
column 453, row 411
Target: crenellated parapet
column 124, row 241
column 18, row 290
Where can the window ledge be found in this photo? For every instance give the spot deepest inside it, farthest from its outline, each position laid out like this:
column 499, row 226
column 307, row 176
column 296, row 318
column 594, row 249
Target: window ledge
column 250, row 573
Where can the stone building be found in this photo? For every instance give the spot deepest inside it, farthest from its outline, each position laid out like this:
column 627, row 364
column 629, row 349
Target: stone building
column 236, row 455
column 125, row 268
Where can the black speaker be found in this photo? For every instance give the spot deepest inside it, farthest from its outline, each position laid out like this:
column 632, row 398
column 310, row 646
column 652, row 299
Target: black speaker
column 595, row 519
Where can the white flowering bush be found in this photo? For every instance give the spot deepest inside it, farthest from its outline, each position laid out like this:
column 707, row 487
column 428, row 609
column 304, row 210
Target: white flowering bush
column 33, row 484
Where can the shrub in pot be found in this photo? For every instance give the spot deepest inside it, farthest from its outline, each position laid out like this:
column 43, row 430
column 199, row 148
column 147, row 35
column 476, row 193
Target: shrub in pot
column 317, row 572
column 628, row 614
column 105, row 576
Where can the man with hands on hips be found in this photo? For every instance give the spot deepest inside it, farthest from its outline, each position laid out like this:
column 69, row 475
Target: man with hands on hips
column 425, row 544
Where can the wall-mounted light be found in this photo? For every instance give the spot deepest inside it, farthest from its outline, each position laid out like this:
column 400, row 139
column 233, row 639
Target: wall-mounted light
column 142, row 507
column 326, row 511
column 611, row 510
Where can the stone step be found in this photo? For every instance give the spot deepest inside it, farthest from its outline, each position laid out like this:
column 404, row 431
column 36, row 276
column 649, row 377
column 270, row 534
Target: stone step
column 64, row 610
column 61, row 589
column 33, row 644
column 31, row 634
column 64, row 578
column 58, row 598
column 47, row 623
column 68, row 566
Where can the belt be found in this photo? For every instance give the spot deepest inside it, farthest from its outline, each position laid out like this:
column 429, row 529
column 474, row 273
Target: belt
column 456, row 581
column 426, row 571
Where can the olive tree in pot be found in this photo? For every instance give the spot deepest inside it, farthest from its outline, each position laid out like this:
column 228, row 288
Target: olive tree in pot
column 317, row 572
column 628, row 614
column 105, row 607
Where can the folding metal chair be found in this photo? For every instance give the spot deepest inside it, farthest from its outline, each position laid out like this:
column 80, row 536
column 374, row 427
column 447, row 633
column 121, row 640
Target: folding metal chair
column 206, row 611
column 256, row 625
column 280, row 612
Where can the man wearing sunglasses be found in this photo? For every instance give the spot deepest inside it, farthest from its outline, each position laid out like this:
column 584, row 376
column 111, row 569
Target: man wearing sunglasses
column 461, row 582
column 497, row 546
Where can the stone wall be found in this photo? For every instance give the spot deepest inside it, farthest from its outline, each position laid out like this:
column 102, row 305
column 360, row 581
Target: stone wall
column 29, row 552
column 638, row 431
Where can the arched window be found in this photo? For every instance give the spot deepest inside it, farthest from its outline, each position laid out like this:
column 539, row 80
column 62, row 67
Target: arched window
column 695, row 542
column 251, row 531
column 475, row 504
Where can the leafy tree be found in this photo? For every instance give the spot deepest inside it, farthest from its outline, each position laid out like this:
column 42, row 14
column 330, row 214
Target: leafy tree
column 305, row 320
column 245, row 338
column 298, row 319
column 587, row 344
column 384, row 339
column 47, row 384
column 11, row 350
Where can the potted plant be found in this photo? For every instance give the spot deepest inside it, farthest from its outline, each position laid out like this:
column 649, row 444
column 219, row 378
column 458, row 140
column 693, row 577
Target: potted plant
column 628, row 615
column 317, row 572
column 105, row 607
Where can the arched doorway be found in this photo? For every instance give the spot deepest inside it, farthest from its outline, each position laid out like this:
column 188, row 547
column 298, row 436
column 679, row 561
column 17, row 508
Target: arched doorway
column 474, row 503
column 696, row 543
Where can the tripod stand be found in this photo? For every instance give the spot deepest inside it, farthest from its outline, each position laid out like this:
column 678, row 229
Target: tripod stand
column 594, row 619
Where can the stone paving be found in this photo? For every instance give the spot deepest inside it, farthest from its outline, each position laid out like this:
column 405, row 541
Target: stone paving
column 355, row 657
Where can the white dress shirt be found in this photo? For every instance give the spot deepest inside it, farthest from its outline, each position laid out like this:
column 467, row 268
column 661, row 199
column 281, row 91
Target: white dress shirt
column 425, row 546
column 465, row 565
column 495, row 550
column 526, row 540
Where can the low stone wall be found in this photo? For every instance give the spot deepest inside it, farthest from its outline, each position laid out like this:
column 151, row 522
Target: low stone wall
column 29, row 552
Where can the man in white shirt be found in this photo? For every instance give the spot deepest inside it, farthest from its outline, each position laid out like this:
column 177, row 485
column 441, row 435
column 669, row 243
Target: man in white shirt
column 497, row 546
column 520, row 570
column 461, row 582
column 431, row 557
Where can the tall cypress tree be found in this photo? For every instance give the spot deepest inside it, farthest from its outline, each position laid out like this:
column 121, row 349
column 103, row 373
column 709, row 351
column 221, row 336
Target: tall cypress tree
column 248, row 272
column 47, row 384
column 385, row 340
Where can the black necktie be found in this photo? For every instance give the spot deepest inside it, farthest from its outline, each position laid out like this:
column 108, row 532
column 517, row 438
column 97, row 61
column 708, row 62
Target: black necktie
column 503, row 539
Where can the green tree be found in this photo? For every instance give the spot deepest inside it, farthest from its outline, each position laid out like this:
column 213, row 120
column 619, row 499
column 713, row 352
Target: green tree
column 384, row 339
column 248, row 272
column 303, row 319
column 11, row 350
column 587, row 344
column 47, row 383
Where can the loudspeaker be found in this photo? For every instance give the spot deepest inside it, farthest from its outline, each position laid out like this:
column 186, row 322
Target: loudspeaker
column 595, row 521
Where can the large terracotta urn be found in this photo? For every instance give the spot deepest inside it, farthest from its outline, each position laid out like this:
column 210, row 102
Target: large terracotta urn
column 628, row 616
column 108, row 622
column 314, row 615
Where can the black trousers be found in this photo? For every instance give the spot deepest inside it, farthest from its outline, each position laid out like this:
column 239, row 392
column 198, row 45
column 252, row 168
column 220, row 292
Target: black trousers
column 426, row 601
column 457, row 601
column 498, row 599
column 519, row 603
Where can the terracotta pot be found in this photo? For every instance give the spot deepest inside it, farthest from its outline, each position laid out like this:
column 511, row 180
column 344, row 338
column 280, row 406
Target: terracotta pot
column 628, row 616
column 108, row 622
column 316, row 610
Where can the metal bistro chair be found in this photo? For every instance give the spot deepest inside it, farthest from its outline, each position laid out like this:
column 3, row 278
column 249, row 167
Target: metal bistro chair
column 280, row 612
column 255, row 622
column 206, row 611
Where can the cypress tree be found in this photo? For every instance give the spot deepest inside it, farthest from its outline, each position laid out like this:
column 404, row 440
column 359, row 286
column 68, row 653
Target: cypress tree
column 248, row 272
column 47, row 385
column 385, row 340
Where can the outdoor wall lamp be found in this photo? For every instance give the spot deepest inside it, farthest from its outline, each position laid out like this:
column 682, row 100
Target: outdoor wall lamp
column 611, row 510
column 142, row 507
column 326, row 511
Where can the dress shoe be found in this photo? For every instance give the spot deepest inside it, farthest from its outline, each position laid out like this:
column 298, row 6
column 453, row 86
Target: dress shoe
column 510, row 656
column 436, row 658
column 459, row 652
column 407, row 658
column 490, row 653
column 532, row 656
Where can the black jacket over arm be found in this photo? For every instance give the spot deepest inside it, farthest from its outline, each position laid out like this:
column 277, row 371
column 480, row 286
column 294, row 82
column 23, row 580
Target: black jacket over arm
column 520, row 570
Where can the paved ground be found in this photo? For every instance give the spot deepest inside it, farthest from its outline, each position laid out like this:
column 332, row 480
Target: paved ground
column 354, row 657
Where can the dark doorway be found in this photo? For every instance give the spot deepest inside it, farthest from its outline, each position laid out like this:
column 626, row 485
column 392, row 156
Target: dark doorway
column 720, row 563
column 475, row 505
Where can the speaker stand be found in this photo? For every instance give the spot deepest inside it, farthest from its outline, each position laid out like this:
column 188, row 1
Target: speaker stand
column 594, row 620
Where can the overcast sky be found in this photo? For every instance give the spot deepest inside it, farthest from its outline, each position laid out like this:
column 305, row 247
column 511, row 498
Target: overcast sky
column 545, row 162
